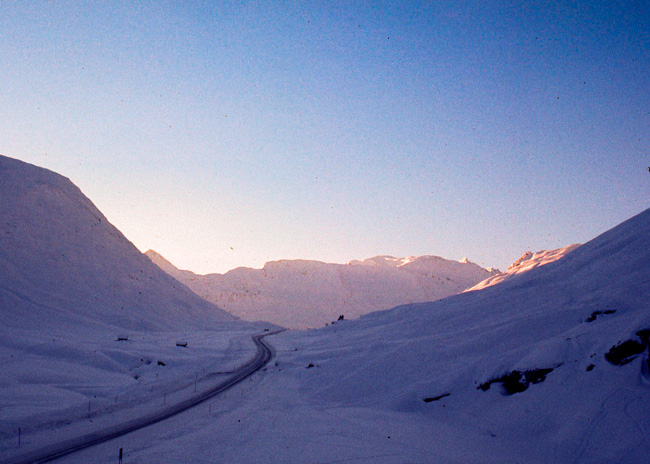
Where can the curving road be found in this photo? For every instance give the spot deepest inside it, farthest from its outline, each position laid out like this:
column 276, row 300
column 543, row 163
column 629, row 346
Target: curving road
column 264, row 354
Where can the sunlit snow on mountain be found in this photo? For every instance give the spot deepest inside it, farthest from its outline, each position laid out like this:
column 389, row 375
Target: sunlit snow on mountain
column 549, row 364
column 304, row 294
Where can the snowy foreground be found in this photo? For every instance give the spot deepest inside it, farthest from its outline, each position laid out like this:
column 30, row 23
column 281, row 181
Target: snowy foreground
column 546, row 366
column 60, row 388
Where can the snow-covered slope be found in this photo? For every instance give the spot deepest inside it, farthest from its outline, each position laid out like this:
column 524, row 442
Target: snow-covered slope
column 71, row 285
column 525, row 263
column 559, row 327
column 550, row 366
column 61, row 261
column 301, row 294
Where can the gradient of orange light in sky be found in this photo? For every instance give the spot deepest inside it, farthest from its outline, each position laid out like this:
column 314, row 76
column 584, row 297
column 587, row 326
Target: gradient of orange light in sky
column 229, row 134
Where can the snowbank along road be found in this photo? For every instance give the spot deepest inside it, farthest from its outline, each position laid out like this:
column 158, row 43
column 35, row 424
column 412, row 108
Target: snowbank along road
column 264, row 354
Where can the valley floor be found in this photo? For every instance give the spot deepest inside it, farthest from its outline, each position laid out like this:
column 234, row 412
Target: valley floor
column 280, row 416
column 62, row 388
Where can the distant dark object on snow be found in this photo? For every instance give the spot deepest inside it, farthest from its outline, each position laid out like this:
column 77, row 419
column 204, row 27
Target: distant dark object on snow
column 182, row 344
column 122, row 338
column 518, row 381
column 341, row 317
column 627, row 351
column 596, row 314
column 160, row 363
column 436, row 398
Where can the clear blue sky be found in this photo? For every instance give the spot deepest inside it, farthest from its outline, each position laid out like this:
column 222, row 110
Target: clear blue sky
column 228, row 134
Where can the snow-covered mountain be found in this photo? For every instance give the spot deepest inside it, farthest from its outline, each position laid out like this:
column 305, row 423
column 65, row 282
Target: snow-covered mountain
column 301, row 294
column 84, row 316
column 62, row 262
column 525, row 263
column 550, row 366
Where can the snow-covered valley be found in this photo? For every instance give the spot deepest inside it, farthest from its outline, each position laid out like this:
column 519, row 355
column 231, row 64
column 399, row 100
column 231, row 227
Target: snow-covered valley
column 535, row 369
column 548, row 365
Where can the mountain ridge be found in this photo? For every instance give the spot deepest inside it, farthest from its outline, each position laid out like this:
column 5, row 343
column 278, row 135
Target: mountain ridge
column 310, row 293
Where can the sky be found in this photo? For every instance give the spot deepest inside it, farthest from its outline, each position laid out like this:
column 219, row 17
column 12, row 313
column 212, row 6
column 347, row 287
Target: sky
column 227, row 134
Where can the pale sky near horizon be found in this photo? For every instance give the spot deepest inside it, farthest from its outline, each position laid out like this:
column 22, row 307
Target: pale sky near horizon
column 226, row 134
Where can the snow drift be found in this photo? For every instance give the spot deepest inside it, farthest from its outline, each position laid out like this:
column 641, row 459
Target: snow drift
column 303, row 294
